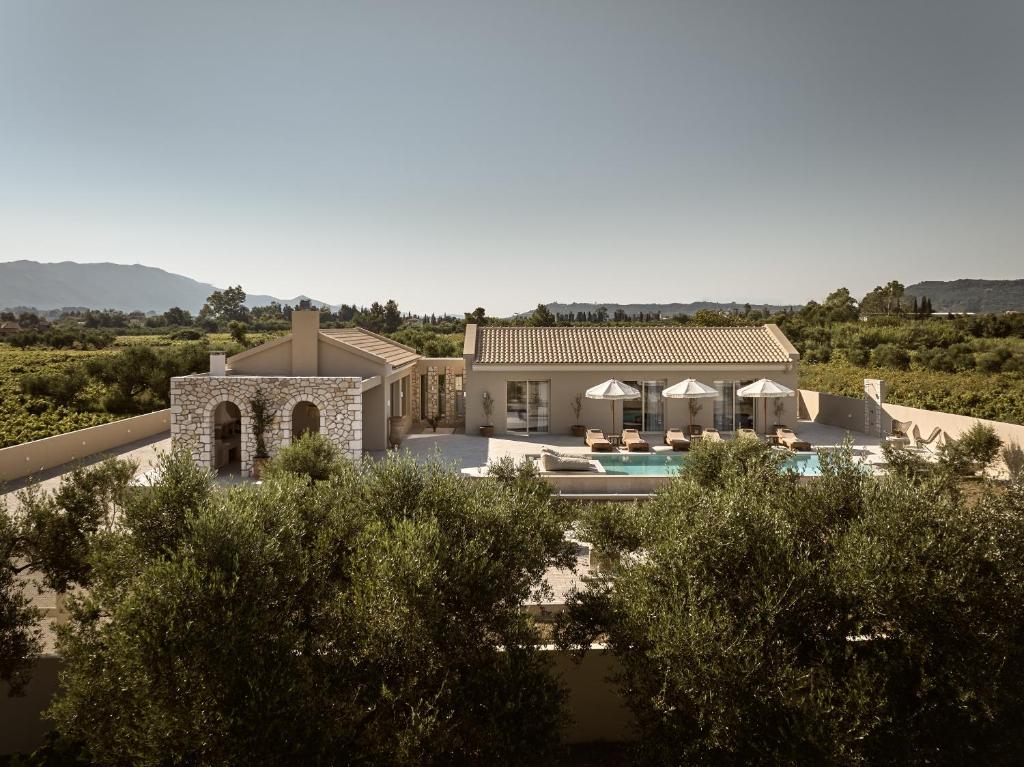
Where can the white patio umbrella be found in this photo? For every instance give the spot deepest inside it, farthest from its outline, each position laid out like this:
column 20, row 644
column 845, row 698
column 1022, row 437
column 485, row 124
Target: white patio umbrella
column 613, row 390
column 689, row 388
column 765, row 389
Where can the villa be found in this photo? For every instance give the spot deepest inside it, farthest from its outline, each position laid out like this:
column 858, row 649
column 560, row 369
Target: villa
column 534, row 373
column 364, row 391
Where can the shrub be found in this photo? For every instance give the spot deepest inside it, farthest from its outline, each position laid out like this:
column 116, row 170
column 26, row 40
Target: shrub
column 62, row 387
column 890, row 356
column 973, row 451
column 312, row 456
column 992, row 362
column 1013, row 457
column 188, row 334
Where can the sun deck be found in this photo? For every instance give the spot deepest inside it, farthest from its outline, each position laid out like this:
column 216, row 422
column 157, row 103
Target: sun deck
column 465, row 451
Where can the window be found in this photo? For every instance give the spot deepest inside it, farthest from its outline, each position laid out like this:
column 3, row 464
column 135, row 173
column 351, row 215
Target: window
column 424, row 398
column 398, row 396
column 527, row 408
column 442, row 398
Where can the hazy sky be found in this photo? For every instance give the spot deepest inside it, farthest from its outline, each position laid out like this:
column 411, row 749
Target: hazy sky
column 449, row 154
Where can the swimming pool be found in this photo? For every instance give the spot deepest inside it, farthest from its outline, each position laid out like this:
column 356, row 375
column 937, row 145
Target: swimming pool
column 667, row 464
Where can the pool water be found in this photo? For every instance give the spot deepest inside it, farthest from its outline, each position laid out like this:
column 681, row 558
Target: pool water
column 664, row 465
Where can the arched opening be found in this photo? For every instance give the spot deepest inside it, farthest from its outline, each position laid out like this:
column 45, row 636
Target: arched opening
column 227, row 439
column 305, row 419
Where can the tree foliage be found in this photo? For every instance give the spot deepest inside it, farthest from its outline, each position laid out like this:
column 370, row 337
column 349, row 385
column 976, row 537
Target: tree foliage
column 335, row 613
column 845, row 621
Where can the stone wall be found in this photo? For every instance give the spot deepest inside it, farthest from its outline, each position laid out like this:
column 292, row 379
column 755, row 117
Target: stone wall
column 195, row 398
column 433, row 368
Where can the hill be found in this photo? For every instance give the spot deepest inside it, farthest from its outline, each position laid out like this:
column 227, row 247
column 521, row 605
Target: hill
column 666, row 310
column 106, row 286
column 979, row 296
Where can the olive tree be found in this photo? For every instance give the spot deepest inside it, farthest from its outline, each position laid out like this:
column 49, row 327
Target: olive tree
column 761, row 619
column 339, row 613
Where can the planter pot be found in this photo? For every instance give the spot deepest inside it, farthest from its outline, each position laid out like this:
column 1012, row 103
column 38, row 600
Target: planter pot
column 396, row 430
column 579, row 430
column 257, row 467
column 486, row 431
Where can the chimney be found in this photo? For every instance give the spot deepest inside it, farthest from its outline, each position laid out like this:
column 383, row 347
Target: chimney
column 218, row 364
column 305, row 333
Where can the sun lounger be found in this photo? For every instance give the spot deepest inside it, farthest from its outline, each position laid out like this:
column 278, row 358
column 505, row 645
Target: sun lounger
column 597, row 442
column 747, row 434
column 677, row 439
column 711, row 435
column 633, row 442
column 788, row 437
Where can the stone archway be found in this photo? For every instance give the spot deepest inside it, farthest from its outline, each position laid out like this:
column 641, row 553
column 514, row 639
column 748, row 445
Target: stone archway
column 288, row 411
column 216, row 438
column 305, row 419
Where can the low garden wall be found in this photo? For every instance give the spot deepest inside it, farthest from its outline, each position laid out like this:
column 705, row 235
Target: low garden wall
column 42, row 454
column 595, row 705
column 848, row 413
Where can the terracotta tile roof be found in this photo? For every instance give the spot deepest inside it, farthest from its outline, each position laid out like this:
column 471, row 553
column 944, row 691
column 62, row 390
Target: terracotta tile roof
column 393, row 352
column 671, row 345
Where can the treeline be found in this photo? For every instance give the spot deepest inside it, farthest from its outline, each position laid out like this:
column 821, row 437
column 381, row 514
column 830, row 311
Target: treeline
column 135, row 379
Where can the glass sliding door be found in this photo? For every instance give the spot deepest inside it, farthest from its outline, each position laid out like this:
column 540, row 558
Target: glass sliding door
column 648, row 412
column 633, row 409
column 732, row 411
column 745, row 408
column 528, row 408
column 515, row 409
column 654, row 403
column 539, row 406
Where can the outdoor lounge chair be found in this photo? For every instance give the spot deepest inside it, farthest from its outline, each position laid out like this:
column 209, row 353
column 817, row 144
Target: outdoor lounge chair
column 597, row 442
column 747, row 434
column 677, row 439
column 900, row 436
column 633, row 442
column 788, row 437
column 920, row 443
column 711, row 435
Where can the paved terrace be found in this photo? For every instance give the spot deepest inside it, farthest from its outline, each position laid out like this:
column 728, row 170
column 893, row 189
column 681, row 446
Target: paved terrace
column 467, row 450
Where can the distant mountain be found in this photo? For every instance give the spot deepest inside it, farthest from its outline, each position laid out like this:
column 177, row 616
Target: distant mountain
column 106, row 286
column 666, row 310
column 979, row 296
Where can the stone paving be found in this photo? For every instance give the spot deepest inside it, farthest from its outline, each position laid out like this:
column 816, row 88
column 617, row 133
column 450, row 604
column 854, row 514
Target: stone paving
column 465, row 451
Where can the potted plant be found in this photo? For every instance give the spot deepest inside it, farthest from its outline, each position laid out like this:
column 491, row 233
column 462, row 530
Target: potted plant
column 433, row 421
column 262, row 417
column 578, row 429
column 695, row 407
column 487, row 430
